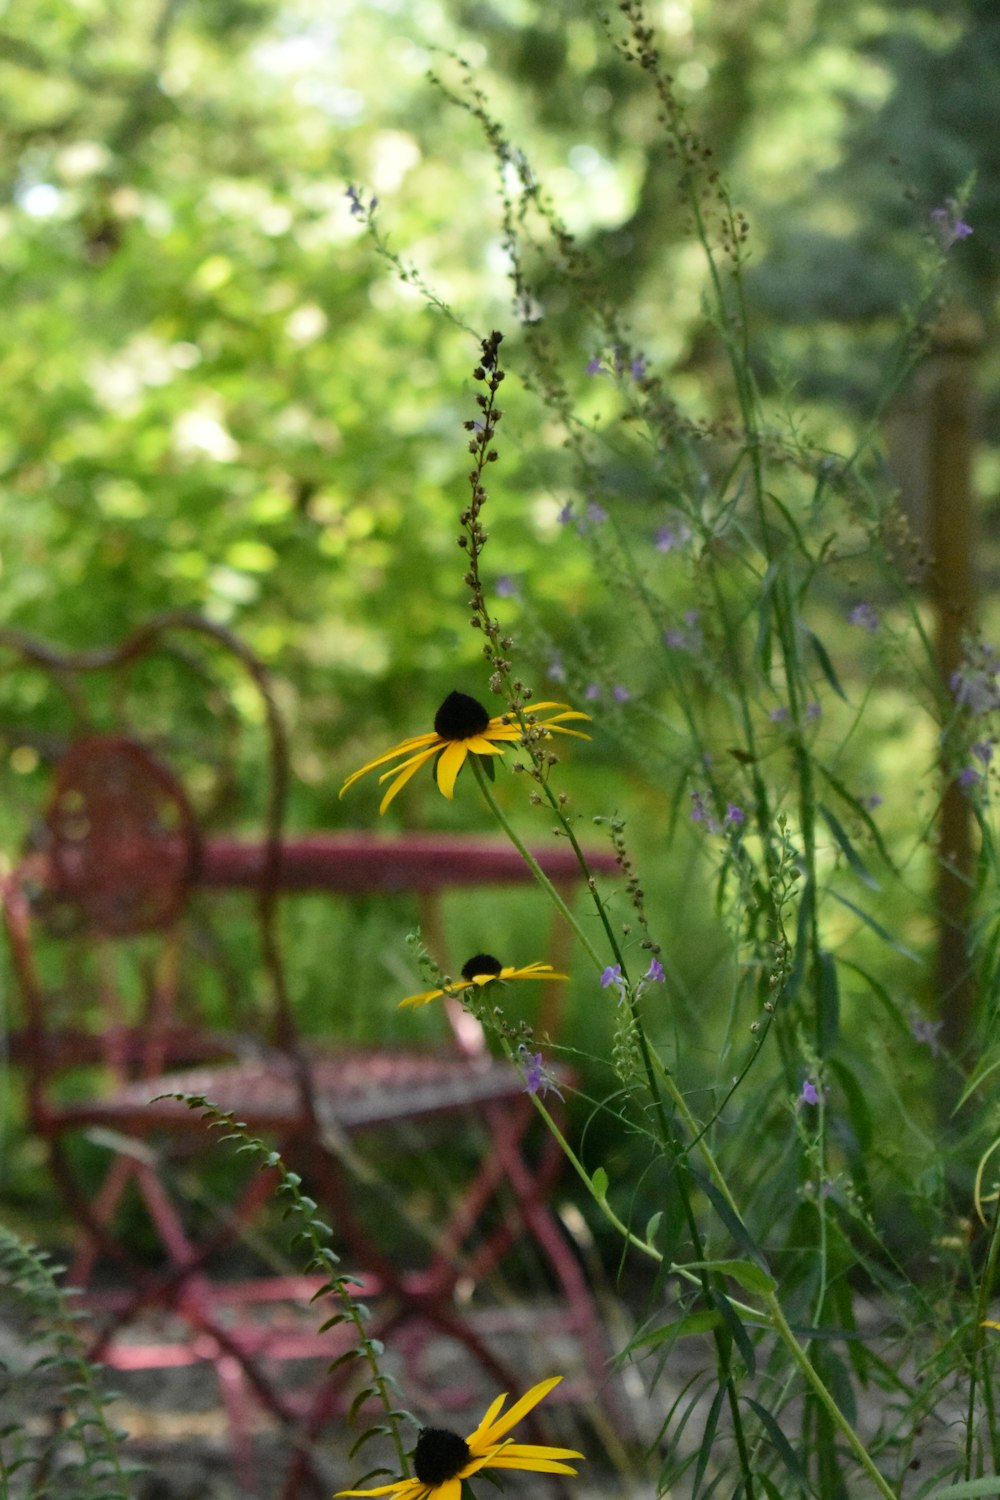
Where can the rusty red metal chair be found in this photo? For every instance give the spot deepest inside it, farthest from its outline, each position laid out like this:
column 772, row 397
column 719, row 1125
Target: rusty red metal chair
column 122, row 863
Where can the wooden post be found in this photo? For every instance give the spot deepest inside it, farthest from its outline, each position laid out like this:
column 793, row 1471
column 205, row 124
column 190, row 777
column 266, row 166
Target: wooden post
column 952, row 585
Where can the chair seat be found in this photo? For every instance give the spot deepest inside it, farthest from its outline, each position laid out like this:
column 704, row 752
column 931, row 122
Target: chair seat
column 352, row 1090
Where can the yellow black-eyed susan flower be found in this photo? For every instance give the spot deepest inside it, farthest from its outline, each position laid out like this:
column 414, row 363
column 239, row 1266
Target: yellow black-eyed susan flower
column 462, row 727
column 482, row 969
column 442, row 1459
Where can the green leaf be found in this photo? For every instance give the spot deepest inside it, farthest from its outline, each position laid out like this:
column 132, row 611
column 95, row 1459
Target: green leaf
column 733, row 1223
column 857, row 1105
column 825, row 664
column 967, row 1489
column 847, row 849
column 829, row 1003
column 365, row 1394
column 708, row 1440
column 379, row 1431
column 881, row 994
column 781, row 1446
column 701, row 1321
column 599, row 1184
column 736, row 1329
column 751, row 1277
column 859, row 811
column 768, row 1487
column 877, row 928
column 988, row 1065
column 343, row 1359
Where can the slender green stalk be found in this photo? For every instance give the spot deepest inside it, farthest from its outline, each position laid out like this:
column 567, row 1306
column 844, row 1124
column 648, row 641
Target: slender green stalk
column 819, row 1389
column 533, row 865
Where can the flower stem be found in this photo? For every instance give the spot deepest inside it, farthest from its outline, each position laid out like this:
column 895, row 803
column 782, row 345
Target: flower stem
column 808, row 1370
column 533, row 864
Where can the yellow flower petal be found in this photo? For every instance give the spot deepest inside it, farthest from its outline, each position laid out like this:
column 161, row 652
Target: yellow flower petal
column 535, row 1465
column 478, row 744
column 404, row 1489
column 534, row 1450
column 427, row 995
column 488, row 1418
column 403, row 775
column 416, row 742
column 487, row 1436
column 450, row 762
column 498, row 730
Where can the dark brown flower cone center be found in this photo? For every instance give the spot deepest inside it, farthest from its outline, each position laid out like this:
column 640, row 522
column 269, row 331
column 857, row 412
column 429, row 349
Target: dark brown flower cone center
column 481, row 963
column 439, row 1455
column 460, row 717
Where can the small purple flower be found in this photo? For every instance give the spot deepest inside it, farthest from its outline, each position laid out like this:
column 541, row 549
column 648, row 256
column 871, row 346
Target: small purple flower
column 947, row 226
column 810, row 1093
column 537, row 1078
column 596, row 513
column 654, row 974
column 565, row 515
column 672, row 538
column 620, row 693
column 612, row 975
column 865, row 616
column 637, row 369
column 968, row 777
column 556, row 671
column 872, row 801
column 700, row 812
column 813, row 711
column 506, row 587
column 735, row 816
column 983, row 751
column 926, row 1032
column 594, row 366
column 689, row 639
column 357, row 202
column 975, row 688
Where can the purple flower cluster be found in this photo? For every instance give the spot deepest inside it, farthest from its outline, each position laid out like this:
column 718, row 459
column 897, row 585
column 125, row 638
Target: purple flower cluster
column 622, row 363
column 359, row 210
column 594, row 693
column 865, row 616
column 702, row 813
column 613, row 978
column 674, row 537
column 594, row 515
column 537, row 1078
column 926, row 1032
column 690, row 638
column 733, row 818
column 947, row 224
column 974, row 685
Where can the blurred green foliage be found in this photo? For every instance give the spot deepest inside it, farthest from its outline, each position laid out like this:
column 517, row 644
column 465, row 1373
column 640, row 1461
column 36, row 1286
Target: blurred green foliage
column 219, row 395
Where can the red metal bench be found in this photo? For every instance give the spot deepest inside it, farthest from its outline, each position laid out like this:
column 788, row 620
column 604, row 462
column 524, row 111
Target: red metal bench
column 122, row 866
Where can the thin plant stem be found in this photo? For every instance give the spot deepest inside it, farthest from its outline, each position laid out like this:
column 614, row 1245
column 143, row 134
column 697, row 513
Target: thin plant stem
column 532, row 863
column 819, row 1389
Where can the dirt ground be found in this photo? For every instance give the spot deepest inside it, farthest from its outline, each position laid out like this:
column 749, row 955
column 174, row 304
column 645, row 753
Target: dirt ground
column 179, row 1438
